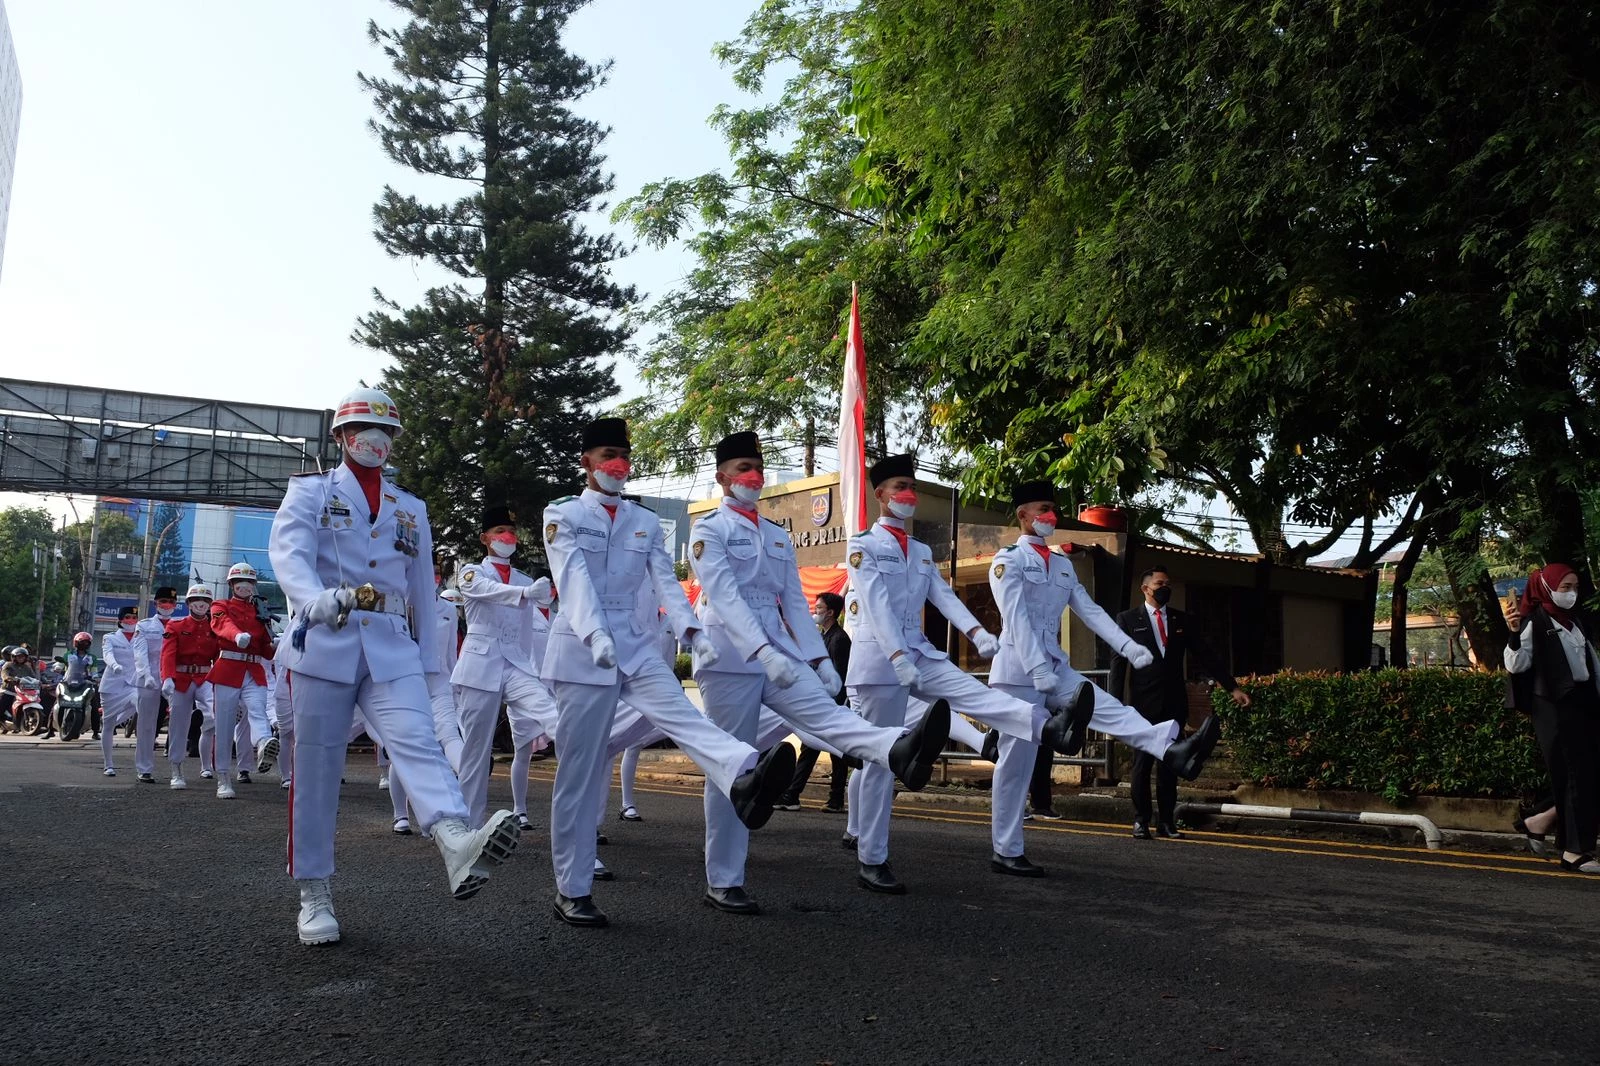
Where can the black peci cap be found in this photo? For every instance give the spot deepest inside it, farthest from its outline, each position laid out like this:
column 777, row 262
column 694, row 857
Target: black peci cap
column 606, row 433
column 128, row 612
column 166, row 592
column 1033, row 492
column 745, row 445
column 892, row 466
column 497, row 514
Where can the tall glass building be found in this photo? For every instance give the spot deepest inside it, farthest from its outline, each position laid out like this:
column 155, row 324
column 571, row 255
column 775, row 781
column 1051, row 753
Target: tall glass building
column 10, row 119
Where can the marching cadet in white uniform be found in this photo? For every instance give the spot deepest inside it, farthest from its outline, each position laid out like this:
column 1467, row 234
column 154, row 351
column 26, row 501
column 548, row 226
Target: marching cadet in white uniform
column 893, row 575
column 1034, row 586
column 353, row 553
column 601, row 548
column 756, row 615
column 148, row 635
column 441, row 693
column 496, row 662
column 532, row 726
column 118, row 697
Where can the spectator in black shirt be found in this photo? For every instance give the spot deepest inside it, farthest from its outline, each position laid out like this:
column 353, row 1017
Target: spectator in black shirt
column 825, row 612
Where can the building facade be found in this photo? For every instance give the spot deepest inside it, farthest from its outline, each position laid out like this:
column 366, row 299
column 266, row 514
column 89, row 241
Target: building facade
column 10, row 122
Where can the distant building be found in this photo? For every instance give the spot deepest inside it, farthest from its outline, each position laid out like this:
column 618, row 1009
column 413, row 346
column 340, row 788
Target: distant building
column 10, row 121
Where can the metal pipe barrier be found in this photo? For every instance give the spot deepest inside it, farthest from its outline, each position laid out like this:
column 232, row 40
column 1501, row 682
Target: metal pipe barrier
column 1105, row 763
column 1430, row 832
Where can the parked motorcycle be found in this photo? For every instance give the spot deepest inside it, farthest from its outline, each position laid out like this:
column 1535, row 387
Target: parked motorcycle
column 76, row 706
column 28, row 711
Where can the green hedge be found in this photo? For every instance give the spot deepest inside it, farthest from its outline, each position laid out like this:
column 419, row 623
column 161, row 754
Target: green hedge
column 1398, row 733
column 683, row 666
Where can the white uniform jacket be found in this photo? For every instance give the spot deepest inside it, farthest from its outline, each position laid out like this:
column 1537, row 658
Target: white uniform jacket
column 1033, row 593
column 321, row 538
column 499, row 627
column 750, row 591
column 599, row 564
column 117, row 648
column 448, row 633
column 147, row 637
column 888, row 590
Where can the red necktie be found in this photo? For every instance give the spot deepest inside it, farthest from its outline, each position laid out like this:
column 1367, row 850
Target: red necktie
column 504, row 570
column 755, row 519
column 900, row 535
column 611, row 509
column 1044, row 553
column 1161, row 627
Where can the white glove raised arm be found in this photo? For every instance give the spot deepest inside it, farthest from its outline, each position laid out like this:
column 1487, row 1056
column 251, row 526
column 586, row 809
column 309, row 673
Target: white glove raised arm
column 602, row 650
column 329, row 605
column 905, row 671
column 1137, row 654
column 779, row 667
column 704, row 650
column 831, row 681
column 1044, row 679
column 986, row 644
column 242, row 641
column 538, row 592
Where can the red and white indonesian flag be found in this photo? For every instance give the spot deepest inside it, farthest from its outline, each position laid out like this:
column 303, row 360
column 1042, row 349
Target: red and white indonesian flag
column 852, row 426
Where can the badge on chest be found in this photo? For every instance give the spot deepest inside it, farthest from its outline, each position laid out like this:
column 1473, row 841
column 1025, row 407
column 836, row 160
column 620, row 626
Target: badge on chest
column 336, row 515
column 407, row 532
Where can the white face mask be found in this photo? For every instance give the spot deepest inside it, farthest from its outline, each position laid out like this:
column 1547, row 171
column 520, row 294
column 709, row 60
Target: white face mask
column 127, row 627
column 503, row 549
column 1043, row 529
column 243, row 590
column 817, row 617
column 1564, row 600
column 163, row 612
column 370, row 447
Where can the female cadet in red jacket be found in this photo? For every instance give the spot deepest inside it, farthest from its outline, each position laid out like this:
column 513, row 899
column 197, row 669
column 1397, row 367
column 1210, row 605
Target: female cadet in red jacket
column 239, row 676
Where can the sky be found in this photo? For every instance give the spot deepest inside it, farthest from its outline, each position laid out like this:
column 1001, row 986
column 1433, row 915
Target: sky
column 191, row 211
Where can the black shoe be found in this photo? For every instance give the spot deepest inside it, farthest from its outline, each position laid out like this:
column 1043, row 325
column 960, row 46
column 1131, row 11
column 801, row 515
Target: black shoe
column 1048, row 814
column 847, row 842
column 757, row 789
column 147, row 779
column 833, row 808
column 1141, row 831
column 194, row 751
column 990, row 752
column 1536, row 844
column 243, row 777
column 1016, row 866
column 97, row 737
column 913, row 755
column 733, row 900
column 1187, row 757
column 879, row 878
column 580, row 911
column 786, row 804
column 601, row 838
column 1068, row 728
column 853, row 763
column 1168, row 831
column 1577, row 865
column 602, row 872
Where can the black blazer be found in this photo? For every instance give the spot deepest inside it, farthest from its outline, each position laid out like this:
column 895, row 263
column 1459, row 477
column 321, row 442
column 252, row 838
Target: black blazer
column 1551, row 677
column 1158, row 691
column 837, row 641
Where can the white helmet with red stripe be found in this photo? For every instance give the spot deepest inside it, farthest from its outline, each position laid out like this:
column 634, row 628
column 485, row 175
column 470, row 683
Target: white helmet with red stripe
column 372, row 406
column 198, row 592
column 241, row 572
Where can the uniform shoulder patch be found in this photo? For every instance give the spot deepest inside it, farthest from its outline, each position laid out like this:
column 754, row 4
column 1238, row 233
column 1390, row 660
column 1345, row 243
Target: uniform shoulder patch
column 855, row 560
column 468, row 575
column 999, row 571
column 550, row 531
column 699, row 547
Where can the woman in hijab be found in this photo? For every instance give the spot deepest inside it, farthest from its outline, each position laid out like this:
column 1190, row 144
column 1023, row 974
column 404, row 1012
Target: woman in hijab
column 1551, row 641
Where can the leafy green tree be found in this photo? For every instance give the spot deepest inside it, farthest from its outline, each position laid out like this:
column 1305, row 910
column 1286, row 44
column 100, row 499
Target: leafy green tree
column 1300, row 256
column 171, row 562
column 755, row 335
column 495, row 373
column 28, row 541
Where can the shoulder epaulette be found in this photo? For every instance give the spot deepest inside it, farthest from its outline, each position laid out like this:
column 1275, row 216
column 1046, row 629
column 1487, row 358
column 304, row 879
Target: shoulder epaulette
column 564, row 499
column 862, row 532
column 1007, row 548
column 312, row 473
column 641, row 507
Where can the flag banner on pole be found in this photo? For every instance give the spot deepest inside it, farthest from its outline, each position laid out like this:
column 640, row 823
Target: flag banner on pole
column 853, row 425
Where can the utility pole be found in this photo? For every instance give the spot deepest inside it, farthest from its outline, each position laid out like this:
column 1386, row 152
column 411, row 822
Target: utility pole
column 147, row 563
column 91, row 572
column 40, row 563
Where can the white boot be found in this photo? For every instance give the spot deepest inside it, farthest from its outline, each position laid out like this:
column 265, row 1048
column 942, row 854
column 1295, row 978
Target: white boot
column 317, row 923
column 266, row 754
column 177, row 784
column 383, row 781
column 468, row 855
column 224, row 786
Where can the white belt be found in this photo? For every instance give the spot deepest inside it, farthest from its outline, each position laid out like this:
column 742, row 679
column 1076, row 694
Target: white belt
column 624, row 602
column 201, row 669
column 376, row 601
column 242, row 657
column 493, row 634
column 757, row 598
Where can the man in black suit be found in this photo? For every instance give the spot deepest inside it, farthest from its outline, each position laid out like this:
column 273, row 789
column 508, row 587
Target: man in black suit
column 825, row 612
column 1157, row 691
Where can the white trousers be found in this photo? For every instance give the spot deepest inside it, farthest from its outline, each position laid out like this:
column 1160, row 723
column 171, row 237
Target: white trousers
column 734, row 702
column 116, row 707
column 282, row 714
column 181, row 709
column 323, row 711
column 446, row 718
column 584, row 732
column 147, row 706
column 529, row 707
column 228, row 702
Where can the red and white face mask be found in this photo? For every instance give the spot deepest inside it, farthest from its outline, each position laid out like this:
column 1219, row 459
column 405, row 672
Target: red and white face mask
column 1044, row 525
column 746, row 487
column 503, row 545
column 612, row 475
column 903, row 504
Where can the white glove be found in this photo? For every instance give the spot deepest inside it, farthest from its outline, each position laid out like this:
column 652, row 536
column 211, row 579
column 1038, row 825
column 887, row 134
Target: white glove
column 704, row 650
column 168, row 688
column 985, row 643
column 905, row 671
column 779, row 667
column 147, row 682
column 1138, row 655
column 1044, row 679
column 602, row 650
column 242, row 641
column 538, row 592
column 113, row 667
column 328, row 605
column 830, row 677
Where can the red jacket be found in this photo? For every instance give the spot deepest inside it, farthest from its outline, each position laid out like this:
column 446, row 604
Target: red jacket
column 188, row 651
column 229, row 618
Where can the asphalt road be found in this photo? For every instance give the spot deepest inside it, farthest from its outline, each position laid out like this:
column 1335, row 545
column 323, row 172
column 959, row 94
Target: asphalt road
column 150, row 926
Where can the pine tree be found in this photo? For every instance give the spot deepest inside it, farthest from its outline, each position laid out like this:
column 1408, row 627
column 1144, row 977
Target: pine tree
column 172, row 562
column 495, row 374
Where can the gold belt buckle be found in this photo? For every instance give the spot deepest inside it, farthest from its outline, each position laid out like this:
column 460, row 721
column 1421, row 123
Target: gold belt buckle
column 368, row 598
